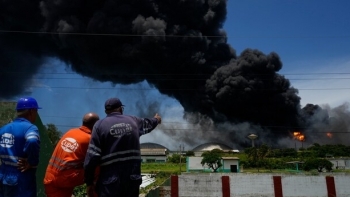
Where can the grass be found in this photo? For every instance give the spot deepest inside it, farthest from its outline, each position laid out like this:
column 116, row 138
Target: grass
column 162, row 167
column 163, row 171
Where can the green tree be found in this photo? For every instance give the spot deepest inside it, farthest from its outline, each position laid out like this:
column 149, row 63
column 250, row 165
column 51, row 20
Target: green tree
column 262, row 153
column 285, row 152
column 317, row 163
column 175, row 158
column 252, row 156
column 212, row 159
column 53, row 133
column 328, row 149
column 257, row 156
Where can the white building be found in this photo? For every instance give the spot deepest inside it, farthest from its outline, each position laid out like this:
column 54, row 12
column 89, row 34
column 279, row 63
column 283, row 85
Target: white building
column 199, row 150
column 152, row 152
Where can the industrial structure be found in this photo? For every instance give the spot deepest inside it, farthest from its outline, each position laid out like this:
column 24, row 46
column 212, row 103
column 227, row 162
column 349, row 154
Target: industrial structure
column 152, row 152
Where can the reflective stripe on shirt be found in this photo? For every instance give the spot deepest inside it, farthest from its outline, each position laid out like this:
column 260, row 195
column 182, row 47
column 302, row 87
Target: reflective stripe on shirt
column 120, row 153
column 121, row 159
column 94, row 150
column 15, row 158
column 120, row 156
column 10, row 160
column 60, row 164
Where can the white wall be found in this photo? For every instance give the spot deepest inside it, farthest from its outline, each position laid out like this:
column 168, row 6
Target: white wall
column 194, row 163
column 206, row 185
column 244, row 184
column 261, row 185
column 304, row 186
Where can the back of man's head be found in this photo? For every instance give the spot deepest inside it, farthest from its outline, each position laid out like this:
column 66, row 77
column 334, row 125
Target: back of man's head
column 90, row 119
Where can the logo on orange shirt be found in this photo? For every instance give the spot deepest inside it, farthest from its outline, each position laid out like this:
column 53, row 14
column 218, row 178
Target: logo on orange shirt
column 69, row 145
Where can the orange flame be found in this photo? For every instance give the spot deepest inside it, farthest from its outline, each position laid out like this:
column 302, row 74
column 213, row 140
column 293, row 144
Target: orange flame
column 298, row 136
column 330, row 135
column 301, row 137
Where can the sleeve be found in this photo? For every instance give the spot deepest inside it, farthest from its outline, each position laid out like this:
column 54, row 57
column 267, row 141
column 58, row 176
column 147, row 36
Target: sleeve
column 32, row 145
column 146, row 125
column 93, row 156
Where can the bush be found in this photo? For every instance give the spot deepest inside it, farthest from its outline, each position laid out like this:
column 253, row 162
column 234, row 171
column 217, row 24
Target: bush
column 319, row 164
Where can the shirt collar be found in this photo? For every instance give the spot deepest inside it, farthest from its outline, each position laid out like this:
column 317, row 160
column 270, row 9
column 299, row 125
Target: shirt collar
column 85, row 129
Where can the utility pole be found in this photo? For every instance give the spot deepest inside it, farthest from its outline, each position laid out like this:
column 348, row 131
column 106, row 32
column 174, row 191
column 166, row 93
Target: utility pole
column 183, row 147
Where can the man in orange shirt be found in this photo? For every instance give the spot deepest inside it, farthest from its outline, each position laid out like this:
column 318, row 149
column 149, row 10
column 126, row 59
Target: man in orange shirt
column 65, row 170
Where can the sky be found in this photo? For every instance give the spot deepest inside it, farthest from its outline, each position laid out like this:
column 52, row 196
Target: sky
column 311, row 37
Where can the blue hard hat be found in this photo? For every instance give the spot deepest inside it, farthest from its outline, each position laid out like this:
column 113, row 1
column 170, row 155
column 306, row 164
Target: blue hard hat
column 27, row 103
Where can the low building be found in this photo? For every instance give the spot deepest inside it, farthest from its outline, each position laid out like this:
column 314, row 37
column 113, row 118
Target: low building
column 199, row 150
column 230, row 164
column 340, row 163
column 152, row 152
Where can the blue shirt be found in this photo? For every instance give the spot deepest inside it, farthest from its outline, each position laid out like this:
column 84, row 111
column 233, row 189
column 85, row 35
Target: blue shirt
column 18, row 140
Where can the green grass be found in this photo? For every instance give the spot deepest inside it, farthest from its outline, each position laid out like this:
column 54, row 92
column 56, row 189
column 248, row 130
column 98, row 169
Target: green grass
column 163, row 171
column 162, row 167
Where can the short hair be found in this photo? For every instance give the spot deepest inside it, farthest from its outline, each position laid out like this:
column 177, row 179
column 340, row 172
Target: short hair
column 22, row 112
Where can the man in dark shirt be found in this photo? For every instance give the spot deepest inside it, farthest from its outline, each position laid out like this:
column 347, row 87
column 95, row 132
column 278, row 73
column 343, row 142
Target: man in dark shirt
column 115, row 148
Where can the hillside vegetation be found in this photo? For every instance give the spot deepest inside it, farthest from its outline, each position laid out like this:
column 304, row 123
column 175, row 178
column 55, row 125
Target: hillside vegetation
column 7, row 112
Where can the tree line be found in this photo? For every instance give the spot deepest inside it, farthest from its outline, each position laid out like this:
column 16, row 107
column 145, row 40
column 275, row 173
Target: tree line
column 314, row 157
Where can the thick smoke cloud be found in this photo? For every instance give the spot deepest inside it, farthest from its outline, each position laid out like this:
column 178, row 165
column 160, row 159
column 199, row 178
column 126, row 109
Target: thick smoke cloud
column 178, row 46
column 21, row 55
column 249, row 89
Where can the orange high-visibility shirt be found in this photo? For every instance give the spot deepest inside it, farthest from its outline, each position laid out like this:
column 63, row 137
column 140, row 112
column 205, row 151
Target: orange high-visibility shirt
column 65, row 168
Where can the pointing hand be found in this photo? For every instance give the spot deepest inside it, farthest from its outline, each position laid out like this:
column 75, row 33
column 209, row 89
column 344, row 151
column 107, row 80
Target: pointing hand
column 158, row 118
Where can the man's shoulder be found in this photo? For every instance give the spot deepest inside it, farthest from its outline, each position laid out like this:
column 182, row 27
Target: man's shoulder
column 71, row 132
column 23, row 123
column 118, row 118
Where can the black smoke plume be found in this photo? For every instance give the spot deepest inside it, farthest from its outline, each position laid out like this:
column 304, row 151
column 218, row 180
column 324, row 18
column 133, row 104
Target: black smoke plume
column 178, row 46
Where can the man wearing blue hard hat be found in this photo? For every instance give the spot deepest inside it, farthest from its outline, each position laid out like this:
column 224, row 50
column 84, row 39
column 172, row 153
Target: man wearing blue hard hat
column 19, row 151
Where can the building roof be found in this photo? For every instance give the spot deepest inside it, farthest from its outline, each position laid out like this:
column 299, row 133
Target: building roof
column 158, row 151
column 230, row 158
column 149, row 145
column 211, row 146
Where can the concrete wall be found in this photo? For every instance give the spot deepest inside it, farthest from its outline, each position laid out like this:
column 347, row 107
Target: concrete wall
column 259, row 185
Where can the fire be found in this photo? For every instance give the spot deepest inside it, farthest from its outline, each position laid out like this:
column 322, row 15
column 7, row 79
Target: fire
column 298, row 136
column 330, row 135
column 296, row 133
column 301, row 137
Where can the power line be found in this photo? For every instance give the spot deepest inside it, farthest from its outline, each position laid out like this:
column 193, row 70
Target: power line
column 167, row 35
column 181, row 79
column 178, row 129
column 106, row 34
column 174, row 74
column 174, row 89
